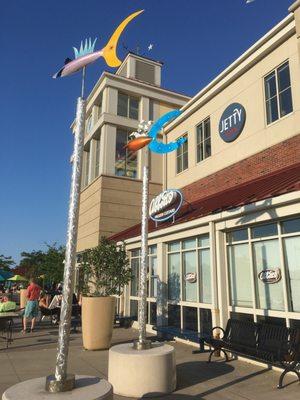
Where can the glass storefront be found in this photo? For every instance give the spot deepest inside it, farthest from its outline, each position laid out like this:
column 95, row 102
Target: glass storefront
column 189, row 283
column 135, row 262
column 264, row 269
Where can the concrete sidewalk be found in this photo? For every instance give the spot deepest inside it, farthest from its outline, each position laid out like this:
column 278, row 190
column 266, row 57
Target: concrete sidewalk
column 33, row 355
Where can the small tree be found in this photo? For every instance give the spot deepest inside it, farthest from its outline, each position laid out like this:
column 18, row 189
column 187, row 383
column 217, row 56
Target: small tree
column 105, row 269
column 6, row 263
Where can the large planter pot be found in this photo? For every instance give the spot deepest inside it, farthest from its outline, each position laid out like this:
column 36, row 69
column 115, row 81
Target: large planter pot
column 97, row 322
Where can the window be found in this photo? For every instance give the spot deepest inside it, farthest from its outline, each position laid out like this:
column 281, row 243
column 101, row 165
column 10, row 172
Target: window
column 135, row 262
column 182, row 157
column 125, row 161
column 189, row 272
column 203, row 140
column 86, row 163
column 151, row 110
column 89, row 125
column 278, row 93
column 97, row 158
column 128, row 106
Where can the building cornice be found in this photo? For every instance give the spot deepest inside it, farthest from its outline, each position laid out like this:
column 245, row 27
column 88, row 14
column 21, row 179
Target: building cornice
column 283, row 30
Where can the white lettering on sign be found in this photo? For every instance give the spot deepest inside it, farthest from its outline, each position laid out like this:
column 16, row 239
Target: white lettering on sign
column 191, row 277
column 232, row 120
column 162, row 201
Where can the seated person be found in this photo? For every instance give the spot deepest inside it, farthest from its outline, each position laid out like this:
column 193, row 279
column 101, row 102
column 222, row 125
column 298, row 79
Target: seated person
column 6, row 305
column 46, row 311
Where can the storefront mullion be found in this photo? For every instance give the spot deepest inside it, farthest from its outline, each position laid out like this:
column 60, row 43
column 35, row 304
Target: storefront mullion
column 283, row 273
column 254, row 291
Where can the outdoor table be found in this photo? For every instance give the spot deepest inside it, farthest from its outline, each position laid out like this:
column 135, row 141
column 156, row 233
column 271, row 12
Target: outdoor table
column 6, row 325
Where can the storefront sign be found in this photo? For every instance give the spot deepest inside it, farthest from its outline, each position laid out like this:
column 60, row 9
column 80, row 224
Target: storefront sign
column 270, row 275
column 165, row 205
column 232, row 122
column 191, row 277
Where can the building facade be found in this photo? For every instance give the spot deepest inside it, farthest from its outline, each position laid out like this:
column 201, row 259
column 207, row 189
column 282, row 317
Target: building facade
column 238, row 232
column 111, row 178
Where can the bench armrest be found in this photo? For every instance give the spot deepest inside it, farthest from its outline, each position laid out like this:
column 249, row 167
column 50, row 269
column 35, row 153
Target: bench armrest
column 218, row 327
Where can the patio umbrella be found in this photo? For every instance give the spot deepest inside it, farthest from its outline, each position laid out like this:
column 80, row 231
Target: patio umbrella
column 2, row 279
column 17, row 278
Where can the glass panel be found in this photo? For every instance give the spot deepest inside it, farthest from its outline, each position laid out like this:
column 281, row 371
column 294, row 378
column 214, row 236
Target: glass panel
column 203, row 241
column 199, row 133
column 134, row 309
column 189, row 265
column 200, row 155
column 133, row 108
column 237, row 236
column 190, row 318
column 207, row 128
column 174, row 276
column 285, row 101
column 151, row 110
column 292, row 257
column 205, row 321
column 207, row 148
column 240, row 275
column 152, row 249
column 179, row 164
column 295, row 323
column 152, row 308
column 185, row 161
column 174, row 246
column 122, row 105
column 135, row 276
column 153, row 269
column 242, row 316
column 270, row 85
column 135, row 253
column 264, row 231
column 120, row 164
column 266, row 256
column 205, row 276
column 97, row 158
column 174, row 316
column 131, row 164
column 272, row 110
column 189, row 244
column 284, row 77
column 291, row 226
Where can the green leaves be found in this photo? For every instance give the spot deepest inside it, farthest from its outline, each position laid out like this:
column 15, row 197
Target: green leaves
column 105, row 269
column 6, row 262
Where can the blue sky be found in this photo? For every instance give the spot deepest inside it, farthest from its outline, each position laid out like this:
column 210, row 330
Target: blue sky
column 196, row 39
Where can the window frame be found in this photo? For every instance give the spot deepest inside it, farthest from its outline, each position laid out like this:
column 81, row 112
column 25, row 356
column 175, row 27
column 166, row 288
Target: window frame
column 277, row 95
column 204, row 140
column 128, row 104
column 181, row 148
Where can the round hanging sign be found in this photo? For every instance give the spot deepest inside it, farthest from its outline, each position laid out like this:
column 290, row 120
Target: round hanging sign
column 165, row 205
column 232, row 122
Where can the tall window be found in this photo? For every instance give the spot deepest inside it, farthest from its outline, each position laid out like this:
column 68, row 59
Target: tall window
column 278, row 93
column 97, row 158
column 128, row 106
column 125, row 161
column 203, row 140
column 182, row 157
column 260, row 251
column 86, row 160
column 151, row 110
column 89, row 125
column 135, row 260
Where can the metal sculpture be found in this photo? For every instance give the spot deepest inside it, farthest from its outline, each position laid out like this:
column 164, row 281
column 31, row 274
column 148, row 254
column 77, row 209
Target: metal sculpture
column 146, row 137
column 61, row 381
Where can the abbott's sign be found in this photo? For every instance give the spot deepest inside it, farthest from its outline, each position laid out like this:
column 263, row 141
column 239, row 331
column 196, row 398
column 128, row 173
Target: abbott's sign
column 165, row 205
column 270, row 275
column 232, row 122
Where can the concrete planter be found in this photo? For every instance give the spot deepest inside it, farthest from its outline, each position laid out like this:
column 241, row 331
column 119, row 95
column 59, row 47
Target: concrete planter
column 97, row 322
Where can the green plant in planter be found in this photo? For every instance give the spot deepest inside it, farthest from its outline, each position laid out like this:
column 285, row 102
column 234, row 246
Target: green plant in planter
column 105, row 269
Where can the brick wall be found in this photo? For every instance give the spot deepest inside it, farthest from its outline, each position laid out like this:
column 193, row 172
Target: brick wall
column 271, row 160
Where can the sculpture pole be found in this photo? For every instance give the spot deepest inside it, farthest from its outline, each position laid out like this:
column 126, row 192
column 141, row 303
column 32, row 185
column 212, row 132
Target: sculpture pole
column 61, row 381
column 142, row 343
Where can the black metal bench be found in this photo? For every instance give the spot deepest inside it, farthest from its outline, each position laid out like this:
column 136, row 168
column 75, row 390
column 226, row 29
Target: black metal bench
column 275, row 345
column 169, row 332
column 6, row 330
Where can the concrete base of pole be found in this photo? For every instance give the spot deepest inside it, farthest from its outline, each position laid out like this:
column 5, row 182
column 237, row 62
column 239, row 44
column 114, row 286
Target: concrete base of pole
column 86, row 387
column 135, row 373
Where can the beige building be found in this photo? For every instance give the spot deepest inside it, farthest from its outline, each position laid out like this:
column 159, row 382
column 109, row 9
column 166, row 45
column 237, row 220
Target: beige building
column 239, row 175
column 111, row 179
